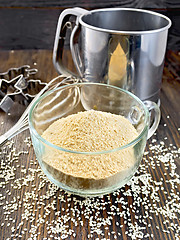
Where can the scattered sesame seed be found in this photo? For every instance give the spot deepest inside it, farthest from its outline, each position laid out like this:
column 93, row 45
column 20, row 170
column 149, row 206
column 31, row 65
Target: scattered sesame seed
column 40, row 201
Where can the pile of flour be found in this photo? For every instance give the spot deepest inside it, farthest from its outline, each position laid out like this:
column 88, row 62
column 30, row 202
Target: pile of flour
column 90, row 131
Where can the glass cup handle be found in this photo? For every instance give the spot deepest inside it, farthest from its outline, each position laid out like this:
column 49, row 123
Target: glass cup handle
column 154, row 118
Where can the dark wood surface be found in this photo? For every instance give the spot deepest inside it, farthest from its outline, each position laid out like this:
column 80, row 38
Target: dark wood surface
column 32, row 24
column 91, row 3
column 146, row 208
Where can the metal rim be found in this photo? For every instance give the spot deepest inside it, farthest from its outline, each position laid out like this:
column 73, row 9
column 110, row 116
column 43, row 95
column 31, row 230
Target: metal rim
column 126, row 32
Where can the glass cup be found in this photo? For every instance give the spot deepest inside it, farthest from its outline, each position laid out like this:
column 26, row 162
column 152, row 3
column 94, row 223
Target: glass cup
column 73, row 98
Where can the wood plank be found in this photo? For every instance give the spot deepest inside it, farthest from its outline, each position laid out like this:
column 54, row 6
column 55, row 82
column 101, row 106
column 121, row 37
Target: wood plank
column 33, row 208
column 91, row 3
column 34, row 28
column 28, row 28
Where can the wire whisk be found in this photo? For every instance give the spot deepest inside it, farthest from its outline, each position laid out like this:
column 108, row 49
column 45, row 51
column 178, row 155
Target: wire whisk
column 22, row 123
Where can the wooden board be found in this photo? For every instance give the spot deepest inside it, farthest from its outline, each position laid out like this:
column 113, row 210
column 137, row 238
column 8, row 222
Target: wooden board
column 146, row 208
column 91, row 3
column 28, row 27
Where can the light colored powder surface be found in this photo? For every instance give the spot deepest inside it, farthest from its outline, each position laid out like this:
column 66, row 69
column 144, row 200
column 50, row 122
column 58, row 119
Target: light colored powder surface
column 90, row 131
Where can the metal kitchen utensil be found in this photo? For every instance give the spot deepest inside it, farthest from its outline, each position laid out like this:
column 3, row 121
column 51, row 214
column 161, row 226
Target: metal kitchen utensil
column 119, row 46
column 22, row 123
column 18, row 85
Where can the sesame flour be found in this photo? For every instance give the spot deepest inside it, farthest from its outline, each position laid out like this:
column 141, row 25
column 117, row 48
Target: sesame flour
column 90, row 131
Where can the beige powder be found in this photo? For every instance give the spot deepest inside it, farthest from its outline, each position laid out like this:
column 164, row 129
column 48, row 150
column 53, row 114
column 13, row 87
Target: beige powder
column 90, row 131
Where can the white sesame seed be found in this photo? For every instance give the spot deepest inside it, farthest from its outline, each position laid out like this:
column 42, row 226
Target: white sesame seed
column 142, row 184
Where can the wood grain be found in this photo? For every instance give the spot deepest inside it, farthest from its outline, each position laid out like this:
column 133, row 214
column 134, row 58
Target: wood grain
column 44, row 210
column 91, row 3
column 26, row 27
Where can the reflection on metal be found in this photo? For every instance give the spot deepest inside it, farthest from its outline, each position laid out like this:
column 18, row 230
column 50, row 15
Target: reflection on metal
column 118, row 60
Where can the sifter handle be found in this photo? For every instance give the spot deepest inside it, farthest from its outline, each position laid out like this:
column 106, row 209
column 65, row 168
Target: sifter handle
column 62, row 26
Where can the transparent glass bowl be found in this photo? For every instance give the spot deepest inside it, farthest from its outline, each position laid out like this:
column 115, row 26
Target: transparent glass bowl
column 73, row 98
